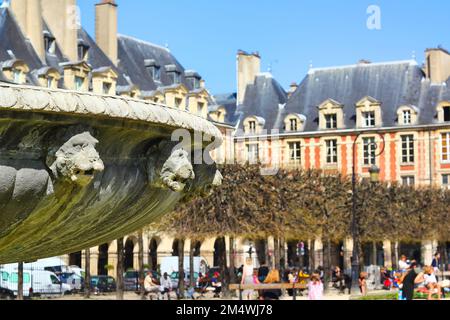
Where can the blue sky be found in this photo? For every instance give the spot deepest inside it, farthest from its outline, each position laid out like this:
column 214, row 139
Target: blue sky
column 205, row 34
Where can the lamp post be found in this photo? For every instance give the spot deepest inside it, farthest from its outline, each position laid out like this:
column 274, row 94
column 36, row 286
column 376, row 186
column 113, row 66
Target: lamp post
column 374, row 177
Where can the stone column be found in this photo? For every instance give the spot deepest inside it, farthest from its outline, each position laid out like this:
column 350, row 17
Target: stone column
column 207, row 251
column 65, row 258
column 427, row 252
column 94, row 261
column 387, row 253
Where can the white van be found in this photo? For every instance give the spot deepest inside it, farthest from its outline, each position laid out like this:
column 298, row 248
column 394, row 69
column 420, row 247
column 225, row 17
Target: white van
column 170, row 264
column 39, row 283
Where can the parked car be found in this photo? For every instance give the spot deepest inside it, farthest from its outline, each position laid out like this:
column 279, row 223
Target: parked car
column 174, row 277
column 103, row 284
column 6, row 294
column 131, row 279
column 73, row 280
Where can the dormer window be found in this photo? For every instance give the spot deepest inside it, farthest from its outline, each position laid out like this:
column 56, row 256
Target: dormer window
column 17, row 75
column 79, row 83
column 252, row 126
column 293, row 124
column 446, row 113
column 368, row 113
column 49, row 43
column 406, row 117
column 331, row 115
column 193, row 79
column 153, row 69
column 331, row 121
column 106, row 88
column 175, row 77
column 83, row 50
column 368, row 119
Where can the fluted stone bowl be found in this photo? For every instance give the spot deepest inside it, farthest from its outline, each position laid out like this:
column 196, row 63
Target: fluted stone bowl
column 79, row 169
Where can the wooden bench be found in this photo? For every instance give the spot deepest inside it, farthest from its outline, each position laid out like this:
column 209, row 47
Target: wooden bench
column 272, row 286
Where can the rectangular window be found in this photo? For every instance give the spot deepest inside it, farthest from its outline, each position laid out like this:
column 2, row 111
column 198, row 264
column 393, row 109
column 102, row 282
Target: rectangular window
column 445, row 180
column 253, row 153
column 407, row 117
column 175, row 77
column 445, row 138
column 331, row 121
column 50, row 82
column 294, row 152
column 15, row 277
column 408, row 149
column 369, row 147
column 408, row 181
column 79, row 81
column 106, row 88
column 293, row 123
column 368, row 119
column 200, row 106
column 155, row 72
column 331, row 152
column 82, row 52
column 17, row 74
column 252, row 126
column 178, row 102
column 446, row 114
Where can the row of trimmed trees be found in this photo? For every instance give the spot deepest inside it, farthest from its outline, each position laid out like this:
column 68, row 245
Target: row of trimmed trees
column 293, row 204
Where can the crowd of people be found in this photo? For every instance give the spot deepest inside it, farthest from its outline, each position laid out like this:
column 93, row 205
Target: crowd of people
column 409, row 279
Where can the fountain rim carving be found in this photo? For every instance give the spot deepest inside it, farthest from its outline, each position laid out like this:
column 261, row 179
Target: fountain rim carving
column 14, row 97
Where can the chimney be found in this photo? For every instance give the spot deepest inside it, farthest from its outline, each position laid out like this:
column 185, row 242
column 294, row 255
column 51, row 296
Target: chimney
column 29, row 18
column 248, row 66
column 106, row 28
column 292, row 88
column 62, row 18
column 437, row 65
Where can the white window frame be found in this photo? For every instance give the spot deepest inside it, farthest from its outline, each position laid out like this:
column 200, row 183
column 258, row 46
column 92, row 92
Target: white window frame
column 407, row 149
column 410, row 180
column 293, row 122
column 407, row 117
column 295, row 151
column 447, row 153
column 253, row 153
column 331, row 154
column 369, row 119
column 369, row 151
column 446, row 176
column 331, row 119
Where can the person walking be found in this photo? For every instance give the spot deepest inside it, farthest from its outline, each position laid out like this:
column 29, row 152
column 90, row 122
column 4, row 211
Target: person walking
column 166, row 285
column 247, row 278
column 315, row 287
column 436, row 264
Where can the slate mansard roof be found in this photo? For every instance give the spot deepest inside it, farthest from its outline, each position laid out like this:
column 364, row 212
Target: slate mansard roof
column 393, row 84
column 133, row 54
column 263, row 98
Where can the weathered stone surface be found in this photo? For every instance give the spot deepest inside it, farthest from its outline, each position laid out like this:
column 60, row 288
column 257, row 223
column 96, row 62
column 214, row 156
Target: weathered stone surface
column 78, row 170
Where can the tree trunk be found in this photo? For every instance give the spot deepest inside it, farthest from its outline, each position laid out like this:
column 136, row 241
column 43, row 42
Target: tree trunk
column 276, row 253
column 20, row 281
column 119, row 276
column 87, row 279
column 181, row 288
column 191, row 264
column 444, row 256
column 231, row 257
column 141, row 264
column 327, row 263
column 362, row 263
column 312, row 256
column 393, row 255
column 223, row 267
column 374, row 253
column 282, row 256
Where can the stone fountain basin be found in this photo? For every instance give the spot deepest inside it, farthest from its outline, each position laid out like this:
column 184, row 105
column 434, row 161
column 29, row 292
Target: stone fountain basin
column 48, row 208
